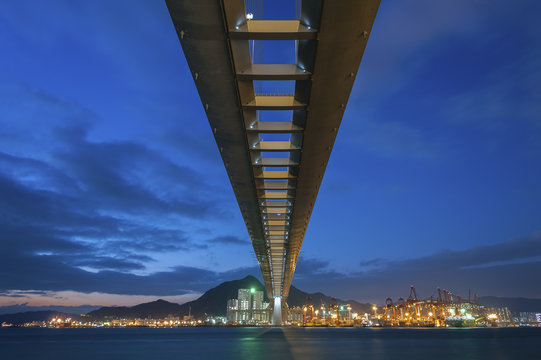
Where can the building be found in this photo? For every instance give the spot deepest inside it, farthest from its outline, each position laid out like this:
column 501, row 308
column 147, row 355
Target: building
column 529, row 318
column 249, row 307
column 295, row 315
column 244, row 299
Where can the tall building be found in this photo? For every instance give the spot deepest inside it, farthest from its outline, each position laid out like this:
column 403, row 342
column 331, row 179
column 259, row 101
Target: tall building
column 257, row 300
column 244, row 299
column 248, row 307
column 529, row 317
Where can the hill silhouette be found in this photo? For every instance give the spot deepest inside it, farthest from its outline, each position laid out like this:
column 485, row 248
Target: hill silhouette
column 298, row 298
column 514, row 304
column 156, row 309
column 29, row 316
column 213, row 302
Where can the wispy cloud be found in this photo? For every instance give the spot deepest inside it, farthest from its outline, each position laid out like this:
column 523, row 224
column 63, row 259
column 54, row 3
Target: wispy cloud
column 108, row 166
column 229, row 240
column 90, row 204
column 503, row 269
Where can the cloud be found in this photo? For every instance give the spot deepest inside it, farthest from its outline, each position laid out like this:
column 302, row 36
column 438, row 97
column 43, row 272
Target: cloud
column 133, row 178
column 510, row 94
column 504, row 269
column 107, row 262
column 24, row 271
column 57, row 242
column 311, row 267
column 393, row 139
column 200, row 144
column 372, row 262
column 56, row 237
column 415, row 98
column 229, row 240
column 25, row 293
column 86, row 209
column 86, row 204
column 24, row 307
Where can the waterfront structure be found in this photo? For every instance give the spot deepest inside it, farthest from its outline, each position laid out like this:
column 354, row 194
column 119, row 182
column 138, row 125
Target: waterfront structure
column 326, row 315
column 244, row 299
column 275, row 167
column 248, row 307
column 529, row 318
column 295, row 315
column 446, row 309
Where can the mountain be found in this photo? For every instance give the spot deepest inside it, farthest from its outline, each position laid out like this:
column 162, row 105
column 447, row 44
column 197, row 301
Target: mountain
column 29, row 316
column 214, row 302
column 298, row 298
column 156, row 309
column 20, row 308
column 517, row 304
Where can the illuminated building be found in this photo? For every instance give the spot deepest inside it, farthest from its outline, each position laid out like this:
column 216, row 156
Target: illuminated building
column 529, row 317
column 248, row 307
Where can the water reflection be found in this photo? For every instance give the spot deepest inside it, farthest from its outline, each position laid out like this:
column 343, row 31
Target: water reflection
column 270, row 343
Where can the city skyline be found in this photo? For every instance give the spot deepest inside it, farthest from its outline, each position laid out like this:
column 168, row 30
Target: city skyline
column 108, row 198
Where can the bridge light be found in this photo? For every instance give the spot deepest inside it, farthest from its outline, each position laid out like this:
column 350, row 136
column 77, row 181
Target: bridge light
column 249, row 16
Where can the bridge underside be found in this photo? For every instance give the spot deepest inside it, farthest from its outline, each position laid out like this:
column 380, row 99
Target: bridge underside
column 275, row 182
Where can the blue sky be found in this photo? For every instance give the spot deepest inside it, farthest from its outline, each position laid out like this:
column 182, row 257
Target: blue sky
column 112, row 189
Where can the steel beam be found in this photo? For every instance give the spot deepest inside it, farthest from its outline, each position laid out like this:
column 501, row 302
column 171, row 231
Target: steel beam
column 273, row 72
column 276, row 204
column 278, row 102
column 272, row 30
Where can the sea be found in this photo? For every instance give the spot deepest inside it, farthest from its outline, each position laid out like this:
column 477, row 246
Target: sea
column 270, row 343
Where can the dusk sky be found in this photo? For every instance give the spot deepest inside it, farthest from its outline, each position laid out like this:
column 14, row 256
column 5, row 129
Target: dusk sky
column 112, row 189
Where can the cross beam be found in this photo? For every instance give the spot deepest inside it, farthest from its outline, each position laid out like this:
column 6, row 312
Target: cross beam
column 275, row 182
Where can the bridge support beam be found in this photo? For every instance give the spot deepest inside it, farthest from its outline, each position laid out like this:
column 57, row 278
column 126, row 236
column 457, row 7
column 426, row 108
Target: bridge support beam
column 275, row 161
column 277, row 311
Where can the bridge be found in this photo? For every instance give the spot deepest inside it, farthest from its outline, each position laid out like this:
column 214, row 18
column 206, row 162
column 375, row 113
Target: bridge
column 275, row 166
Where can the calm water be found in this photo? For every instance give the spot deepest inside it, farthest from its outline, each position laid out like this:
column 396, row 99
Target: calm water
column 270, row 343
